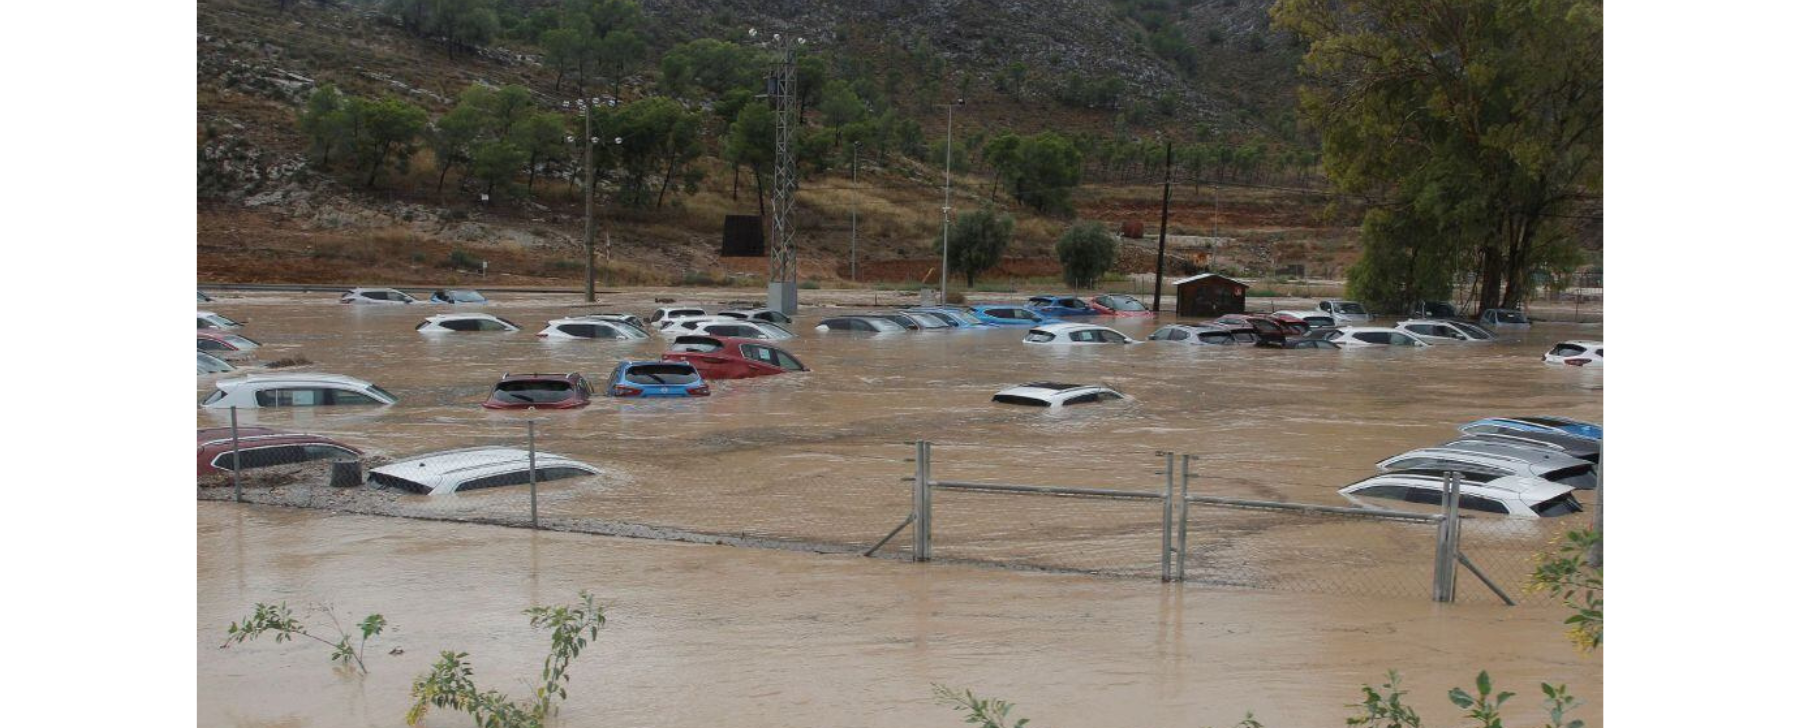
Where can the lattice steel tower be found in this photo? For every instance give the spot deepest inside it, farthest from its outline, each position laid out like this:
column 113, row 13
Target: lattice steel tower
column 783, row 267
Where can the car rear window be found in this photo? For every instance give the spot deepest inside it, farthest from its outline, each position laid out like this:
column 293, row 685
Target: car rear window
column 1039, row 337
column 391, row 481
column 1018, row 399
column 1574, row 476
column 1567, row 350
column 1561, row 505
column 655, row 374
column 534, row 391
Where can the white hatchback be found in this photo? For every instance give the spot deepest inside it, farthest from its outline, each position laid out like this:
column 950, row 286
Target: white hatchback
column 1479, row 493
column 210, row 320
column 1055, row 394
column 1346, row 312
column 1437, row 330
column 591, row 328
column 376, row 295
column 464, row 322
column 1361, row 337
column 455, row 471
column 295, row 390
column 1578, row 354
column 1075, row 335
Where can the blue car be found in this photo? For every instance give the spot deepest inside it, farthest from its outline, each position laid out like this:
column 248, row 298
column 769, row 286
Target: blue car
column 955, row 317
column 1562, row 425
column 1011, row 316
column 1061, row 306
column 656, row 379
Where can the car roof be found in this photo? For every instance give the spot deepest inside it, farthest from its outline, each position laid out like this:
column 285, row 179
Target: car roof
column 1583, row 342
column 1529, row 490
column 1052, row 390
column 271, row 380
column 1068, row 326
column 662, row 362
column 535, row 377
column 447, row 466
column 465, row 315
column 365, row 290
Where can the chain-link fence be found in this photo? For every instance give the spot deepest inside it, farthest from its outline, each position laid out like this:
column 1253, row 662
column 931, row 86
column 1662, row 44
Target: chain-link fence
column 1120, row 514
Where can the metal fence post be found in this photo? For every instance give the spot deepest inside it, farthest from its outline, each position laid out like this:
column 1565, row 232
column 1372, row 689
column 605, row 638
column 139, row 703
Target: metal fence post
column 1443, row 579
column 531, row 456
column 922, row 501
column 237, row 488
column 1594, row 556
column 1182, row 525
column 1168, row 516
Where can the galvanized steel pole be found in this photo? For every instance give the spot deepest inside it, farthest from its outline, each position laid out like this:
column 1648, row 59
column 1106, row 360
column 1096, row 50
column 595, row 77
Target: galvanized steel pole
column 1444, row 564
column 1168, row 512
column 855, row 152
column 944, row 272
column 237, row 488
column 531, row 456
column 587, row 139
column 1182, row 526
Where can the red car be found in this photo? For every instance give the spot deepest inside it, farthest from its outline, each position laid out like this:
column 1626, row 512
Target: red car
column 724, row 357
column 1118, row 304
column 1295, row 325
column 540, row 391
column 1265, row 331
column 261, row 447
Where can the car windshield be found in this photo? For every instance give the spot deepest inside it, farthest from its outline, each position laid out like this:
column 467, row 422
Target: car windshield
column 1561, row 505
column 1125, row 304
column 1351, row 307
column 661, row 374
column 465, row 297
column 383, row 393
column 1508, row 317
column 533, row 391
column 1020, row 399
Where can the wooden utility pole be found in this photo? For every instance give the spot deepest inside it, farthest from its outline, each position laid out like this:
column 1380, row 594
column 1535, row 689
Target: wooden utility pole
column 1162, row 235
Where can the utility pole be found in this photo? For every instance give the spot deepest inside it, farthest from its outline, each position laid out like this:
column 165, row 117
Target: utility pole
column 783, row 268
column 1162, row 236
column 855, row 152
column 587, row 235
column 944, row 270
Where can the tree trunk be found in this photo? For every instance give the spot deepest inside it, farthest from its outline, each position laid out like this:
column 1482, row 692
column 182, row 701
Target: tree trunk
column 443, row 169
column 668, row 174
column 375, row 168
column 734, row 180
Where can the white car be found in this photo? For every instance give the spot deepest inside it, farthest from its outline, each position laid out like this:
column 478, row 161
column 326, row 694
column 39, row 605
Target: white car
column 464, row 322
column 766, row 315
column 1577, row 354
column 375, row 295
column 1075, row 334
column 745, row 329
column 1314, row 319
column 1202, row 334
column 295, row 390
column 455, row 471
column 1505, row 318
column 1055, row 394
column 1359, row 337
column 591, row 328
column 863, row 324
column 1497, row 459
column 210, row 320
column 209, row 364
column 1346, row 312
column 678, row 325
column 1436, row 330
column 622, row 318
column 1479, row 493
column 675, row 312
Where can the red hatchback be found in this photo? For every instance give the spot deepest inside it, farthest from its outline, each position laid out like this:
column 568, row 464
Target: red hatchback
column 540, row 391
column 724, row 357
column 261, row 447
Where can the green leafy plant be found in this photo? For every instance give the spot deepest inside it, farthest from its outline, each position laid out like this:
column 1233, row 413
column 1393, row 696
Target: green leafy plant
column 1384, row 708
column 1558, row 703
column 348, row 649
column 984, row 712
column 1484, row 706
column 1573, row 576
column 450, row 683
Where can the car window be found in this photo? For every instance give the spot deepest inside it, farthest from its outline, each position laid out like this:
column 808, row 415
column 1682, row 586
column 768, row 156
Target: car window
column 344, row 396
column 1566, row 350
column 1104, row 396
column 1216, row 337
column 1039, row 337
column 755, row 352
column 1111, row 337
column 489, row 325
column 293, row 397
column 1373, row 337
column 461, row 325
column 1561, row 505
column 1479, row 503
column 534, row 391
column 1426, row 496
column 1396, row 492
column 1084, row 335
column 210, row 345
column 1088, row 398
column 655, row 374
column 787, row 361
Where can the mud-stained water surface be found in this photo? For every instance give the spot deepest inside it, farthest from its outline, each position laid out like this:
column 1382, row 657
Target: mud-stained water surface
column 819, row 458
column 712, row 635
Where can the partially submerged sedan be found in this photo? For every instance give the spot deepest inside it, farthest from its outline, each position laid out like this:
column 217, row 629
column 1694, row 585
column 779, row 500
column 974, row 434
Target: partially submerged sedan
column 1075, row 335
column 261, row 447
column 455, row 297
column 1577, row 354
column 209, row 364
column 376, row 296
column 745, row 329
column 219, row 342
column 655, row 379
column 1497, row 459
column 667, row 312
column 1445, row 331
column 1346, row 312
column 210, row 320
column 447, row 322
column 1010, row 316
column 1207, row 334
column 1504, row 318
column 475, row 468
column 540, row 391
column 1533, row 424
column 1056, row 394
column 1061, row 306
column 1362, row 337
column 1119, row 304
column 591, row 328
column 295, row 390
column 720, row 357
column 860, row 324
column 1479, row 493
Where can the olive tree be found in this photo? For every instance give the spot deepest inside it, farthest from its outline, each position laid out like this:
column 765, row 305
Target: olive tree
column 1086, row 252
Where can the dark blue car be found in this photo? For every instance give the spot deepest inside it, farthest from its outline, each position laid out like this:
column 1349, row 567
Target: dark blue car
column 1540, row 423
column 1061, row 306
column 1011, row 316
column 656, row 379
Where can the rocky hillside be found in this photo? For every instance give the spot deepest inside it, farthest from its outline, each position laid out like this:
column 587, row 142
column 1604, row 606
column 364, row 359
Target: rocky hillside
column 1015, row 63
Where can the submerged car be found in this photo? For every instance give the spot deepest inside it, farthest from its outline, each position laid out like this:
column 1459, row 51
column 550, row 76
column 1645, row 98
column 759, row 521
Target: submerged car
column 1055, row 394
column 1346, row 312
column 1533, row 424
column 1264, row 330
column 656, row 379
column 220, row 341
column 295, row 390
column 261, row 447
column 1504, row 318
column 1061, row 306
column 864, row 324
column 1310, row 344
column 209, row 364
column 1496, row 459
column 475, row 468
column 202, row 297
column 621, row 318
column 464, row 322
column 1436, row 331
column 1433, row 310
column 745, row 329
column 1479, row 493
column 1195, row 334
column 1567, row 444
column 1578, row 354
column 1312, row 319
column 1010, row 316
column 1360, row 337
column 1119, row 304
column 210, row 320
column 666, row 312
column 540, row 391
column 951, row 317
column 924, row 321
column 471, row 297
column 376, row 295
column 720, row 357
column 902, row 320
column 589, row 328
column 766, row 315
column 1075, row 334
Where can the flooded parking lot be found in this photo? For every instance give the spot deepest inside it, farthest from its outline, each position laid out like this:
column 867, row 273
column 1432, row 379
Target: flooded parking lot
column 707, row 635
column 819, row 457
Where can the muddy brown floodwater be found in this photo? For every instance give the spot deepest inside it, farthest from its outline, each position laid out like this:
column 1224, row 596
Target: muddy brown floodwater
column 741, row 636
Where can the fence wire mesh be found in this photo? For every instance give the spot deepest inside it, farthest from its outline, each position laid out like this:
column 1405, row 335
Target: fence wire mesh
column 1326, row 553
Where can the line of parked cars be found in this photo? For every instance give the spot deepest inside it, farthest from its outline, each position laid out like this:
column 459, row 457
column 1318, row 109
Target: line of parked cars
column 1523, row 467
